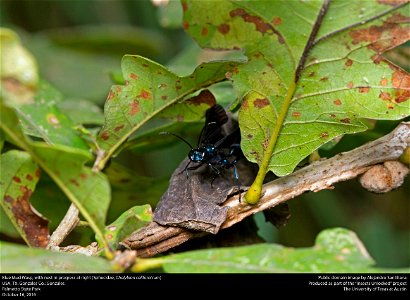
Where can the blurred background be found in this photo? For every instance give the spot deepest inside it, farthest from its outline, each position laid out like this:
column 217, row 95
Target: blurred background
column 78, row 46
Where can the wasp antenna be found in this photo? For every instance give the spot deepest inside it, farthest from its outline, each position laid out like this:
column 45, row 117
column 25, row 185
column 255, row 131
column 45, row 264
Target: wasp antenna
column 177, row 136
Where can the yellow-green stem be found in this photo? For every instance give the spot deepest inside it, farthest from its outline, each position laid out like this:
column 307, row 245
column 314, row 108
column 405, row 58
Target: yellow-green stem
column 254, row 193
column 405, row 157
column 144, row 264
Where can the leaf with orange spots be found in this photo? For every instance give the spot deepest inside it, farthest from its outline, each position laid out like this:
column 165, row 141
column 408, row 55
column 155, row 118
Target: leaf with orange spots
column 314, row 70
column 130, row 221
column 88, row 190
column 149, row 89
column 19, row 177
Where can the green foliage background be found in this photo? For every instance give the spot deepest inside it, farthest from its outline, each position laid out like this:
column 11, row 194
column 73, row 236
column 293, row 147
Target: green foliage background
column 79, row 45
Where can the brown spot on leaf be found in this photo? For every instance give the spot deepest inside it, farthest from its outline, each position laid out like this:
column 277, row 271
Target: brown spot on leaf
column 384, row 37
column 111, row 95
column 364, row 89
column 185, row 25
column 134, row 108
column 53, row 120
column 337, row 102
column 164, row 97
column 74, row 181
column 261, row 103
column 109, row 236
column 228, row 75
column 277, row 21
column 390, row 106
column 324, row 135
column 16, row 179
column 119, row 127
column 162, row 85
column 145, row 94
column 383, row 82
column 392, row 2
column 257, row 55
column 37, row 173
column 249, row 136
column 296, row 114
column 385, row 96
column 29, row 177
column 265, row 144
column 8, row 199
column 332, row 115
column 178, row 87
column 245, row 104
column 145, row 65
column 204, row 31
column 33, row 224
column 377, row 58
column 83, row 176
column 398, row 18
column 325, row 78
column 401, row 82
column 224, row 28
column 105, row 135
column 346, row 121
column 118, row 89
column 348, row 63
column 184, row 6
column 350, row 85
column 311, row 74
column 204, row 97
column 133, row 76
column 261, row 26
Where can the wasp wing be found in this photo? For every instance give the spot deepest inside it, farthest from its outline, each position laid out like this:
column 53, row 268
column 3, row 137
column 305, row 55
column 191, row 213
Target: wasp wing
column 215, row 117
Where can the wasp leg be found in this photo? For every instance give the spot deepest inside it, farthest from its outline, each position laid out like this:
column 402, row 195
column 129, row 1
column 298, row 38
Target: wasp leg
column 216, row 173
column 235, row 175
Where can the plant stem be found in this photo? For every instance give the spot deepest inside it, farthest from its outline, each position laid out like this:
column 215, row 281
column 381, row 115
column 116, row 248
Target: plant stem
column 254, row 193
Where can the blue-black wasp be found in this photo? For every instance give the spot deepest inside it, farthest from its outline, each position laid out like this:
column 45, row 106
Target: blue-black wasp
column 214, row 148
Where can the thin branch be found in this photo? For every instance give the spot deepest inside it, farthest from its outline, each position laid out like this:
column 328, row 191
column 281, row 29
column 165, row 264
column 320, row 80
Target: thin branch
column 68, row 223
column 320, row 175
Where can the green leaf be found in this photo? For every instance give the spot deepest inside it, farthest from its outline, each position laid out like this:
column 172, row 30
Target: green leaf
column 43, row 119
column 303, row 87
column 131, row 220
column 149, row 89
column 83, row 112
column 19, row 178
column 336, row 250
column 20, row 259
column 88, row 190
